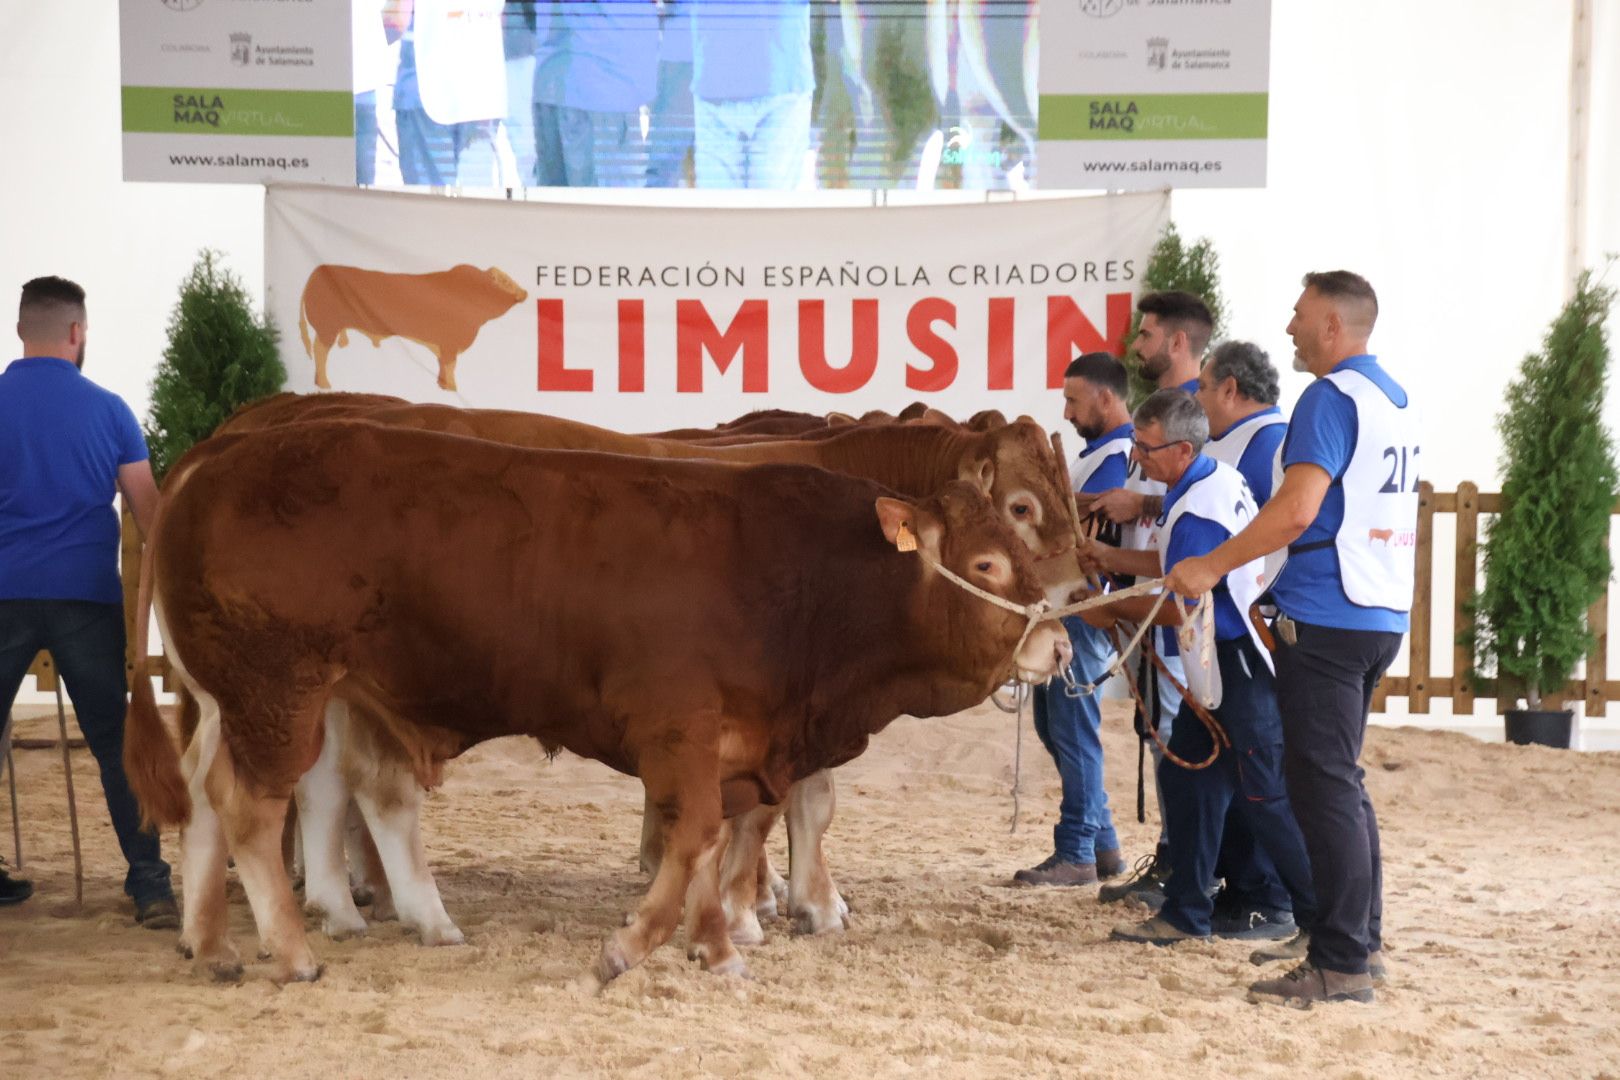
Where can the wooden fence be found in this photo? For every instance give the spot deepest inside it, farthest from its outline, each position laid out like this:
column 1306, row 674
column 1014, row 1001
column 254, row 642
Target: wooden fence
column 1419, row 686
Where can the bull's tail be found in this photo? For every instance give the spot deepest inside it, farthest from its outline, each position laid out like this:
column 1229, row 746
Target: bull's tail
column 151, row 763
column 303, row 325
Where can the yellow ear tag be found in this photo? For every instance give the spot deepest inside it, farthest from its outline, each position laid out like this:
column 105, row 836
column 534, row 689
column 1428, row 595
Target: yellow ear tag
column 903, row 539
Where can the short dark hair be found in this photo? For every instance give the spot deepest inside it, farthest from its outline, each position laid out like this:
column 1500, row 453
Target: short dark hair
column 1181, row 311
column 1179, row 413
column 48, row 304
column 1100, row 369
column 1344, row 285
column 1249, row 365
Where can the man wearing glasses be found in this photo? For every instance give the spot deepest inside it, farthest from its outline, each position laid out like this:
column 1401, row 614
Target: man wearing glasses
column 1206, row 502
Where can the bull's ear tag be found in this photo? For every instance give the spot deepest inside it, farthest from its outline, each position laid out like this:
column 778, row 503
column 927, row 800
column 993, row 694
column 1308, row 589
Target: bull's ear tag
column 903, row 540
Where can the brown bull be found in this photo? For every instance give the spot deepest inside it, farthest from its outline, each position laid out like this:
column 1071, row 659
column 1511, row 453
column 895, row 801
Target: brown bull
column 443, row 310
column 719, row 632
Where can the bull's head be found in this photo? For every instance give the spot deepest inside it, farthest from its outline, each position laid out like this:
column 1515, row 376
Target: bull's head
column 959, row 529
column 502, row 281
column 1013, row 467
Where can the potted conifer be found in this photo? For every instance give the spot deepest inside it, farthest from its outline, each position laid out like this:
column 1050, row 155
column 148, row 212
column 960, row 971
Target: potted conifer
column 1546, row 553
column 1176, row 264
column 220, row 355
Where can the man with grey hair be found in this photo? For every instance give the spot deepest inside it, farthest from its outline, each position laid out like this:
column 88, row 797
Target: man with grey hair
column 1206, row 502
column 1238, row 390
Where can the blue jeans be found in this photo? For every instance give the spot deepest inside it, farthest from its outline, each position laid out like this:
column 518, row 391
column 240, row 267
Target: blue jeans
column 86, row 640
column 580, row 148
column 753, row 142
column 1068, row 728
column 1249, row 775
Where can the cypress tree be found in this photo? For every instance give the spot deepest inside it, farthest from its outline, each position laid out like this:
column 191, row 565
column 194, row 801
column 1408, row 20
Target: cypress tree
column 1547, row 553
column 1174, row 264
column 220, row 355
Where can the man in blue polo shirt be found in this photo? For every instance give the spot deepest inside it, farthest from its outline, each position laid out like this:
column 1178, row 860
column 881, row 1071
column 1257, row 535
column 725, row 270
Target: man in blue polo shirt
column 1169, row 346
column 1085, row 847
column 1205, row 503
column 66, row 446
column 1347, row 513
column 1238, row 388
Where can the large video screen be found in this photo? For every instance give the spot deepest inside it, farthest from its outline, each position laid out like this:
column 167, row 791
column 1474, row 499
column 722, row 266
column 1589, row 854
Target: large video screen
column 774, row 94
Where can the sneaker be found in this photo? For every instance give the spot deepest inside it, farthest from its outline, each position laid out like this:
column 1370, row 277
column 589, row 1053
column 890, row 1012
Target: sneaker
column 1147, row 878
column 1308, row 984
column 159, row 914
column 1294, row 948
column 13, row 890
column 1110, row 864
column 1154, row 931
column 1058, row 871
column 1256, row 924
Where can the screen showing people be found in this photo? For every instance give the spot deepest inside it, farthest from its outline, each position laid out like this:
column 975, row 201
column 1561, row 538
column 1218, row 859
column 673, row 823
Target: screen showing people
column 776, row 94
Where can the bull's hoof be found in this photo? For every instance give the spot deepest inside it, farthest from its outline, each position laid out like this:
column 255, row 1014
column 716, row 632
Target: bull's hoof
column 731, row 965
column 745, row 930
column 611, row 964
column 343, row 929
column 309, row 972
column 226, row 971
column 383, row 910
column 779, row 892
column 448, row 934
column 185, row 949
column 765, row 906
column 810, row 922
column 362, row 894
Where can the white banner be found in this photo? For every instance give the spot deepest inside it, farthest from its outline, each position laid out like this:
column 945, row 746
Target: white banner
column 1143, row 94
column 647, row 318
column 237, row 91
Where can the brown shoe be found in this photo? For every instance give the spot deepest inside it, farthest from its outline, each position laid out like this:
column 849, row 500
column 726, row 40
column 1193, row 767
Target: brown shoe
column 1110, row 864
column 1294, row 948
column 1308, row 984
column 158, row 914
column 1154, row 931
column 1058, row 871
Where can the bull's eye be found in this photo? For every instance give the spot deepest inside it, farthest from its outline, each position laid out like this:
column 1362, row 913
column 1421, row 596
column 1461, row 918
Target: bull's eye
column 1021, row 509
column 982, row 567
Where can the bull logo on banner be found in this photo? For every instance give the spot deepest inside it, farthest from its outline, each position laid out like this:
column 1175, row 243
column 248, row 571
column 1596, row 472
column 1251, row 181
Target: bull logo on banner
column 442, row 311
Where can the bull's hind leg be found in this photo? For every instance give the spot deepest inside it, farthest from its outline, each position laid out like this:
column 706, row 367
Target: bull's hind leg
column 204, row 912
column 323, row 802
column 652, row 837
column 684, row 787
column 740, row 874
column 253, row 824
column 390, row 801
column 813, row 902
column 771, row 897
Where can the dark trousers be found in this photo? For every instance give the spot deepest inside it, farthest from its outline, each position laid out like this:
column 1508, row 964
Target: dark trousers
column 1251, row 881
column 1248, row 775
column 1324, row 686
column 87, row 642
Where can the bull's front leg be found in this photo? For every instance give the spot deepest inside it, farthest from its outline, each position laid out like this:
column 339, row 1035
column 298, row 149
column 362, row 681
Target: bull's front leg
column 740, row 874
column 814, row 903
column 683, row 786
column 447, row 367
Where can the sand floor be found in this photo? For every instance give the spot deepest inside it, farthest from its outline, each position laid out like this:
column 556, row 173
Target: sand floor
column 1502, row 930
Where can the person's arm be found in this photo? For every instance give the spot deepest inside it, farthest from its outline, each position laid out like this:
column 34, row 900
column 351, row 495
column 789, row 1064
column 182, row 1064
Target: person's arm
column 1131, row 609
column 1120, row 561
column 140, row 493
column 1280, row 522
column 1120, row 505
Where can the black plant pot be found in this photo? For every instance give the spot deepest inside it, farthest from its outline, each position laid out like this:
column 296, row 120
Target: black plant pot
column 1539, row 728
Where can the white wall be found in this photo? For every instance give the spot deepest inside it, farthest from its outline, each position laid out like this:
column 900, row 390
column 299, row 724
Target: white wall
column 1419, row 142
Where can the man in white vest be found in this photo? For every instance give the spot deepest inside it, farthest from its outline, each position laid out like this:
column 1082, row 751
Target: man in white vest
column 1085, row 847
column 1228, row 670
column 1347, row 513
column 1238, row 388
column 1169, row 347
